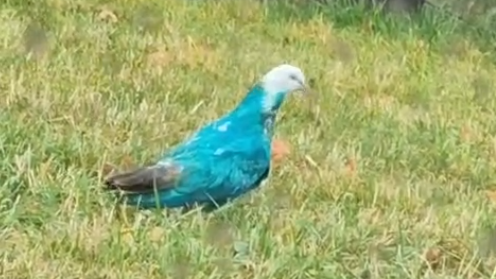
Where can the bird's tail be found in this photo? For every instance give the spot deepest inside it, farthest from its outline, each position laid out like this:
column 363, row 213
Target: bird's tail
column 143, row 180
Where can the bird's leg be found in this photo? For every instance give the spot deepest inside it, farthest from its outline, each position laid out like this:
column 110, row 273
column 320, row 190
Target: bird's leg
column 187, row 208
column 212, row 206
column 167, row 213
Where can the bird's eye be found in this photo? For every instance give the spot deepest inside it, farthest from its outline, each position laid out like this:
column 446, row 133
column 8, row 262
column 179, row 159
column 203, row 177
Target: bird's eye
column 293, row 77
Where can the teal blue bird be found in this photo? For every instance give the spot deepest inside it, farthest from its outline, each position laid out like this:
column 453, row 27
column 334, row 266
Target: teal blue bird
column 221, row 161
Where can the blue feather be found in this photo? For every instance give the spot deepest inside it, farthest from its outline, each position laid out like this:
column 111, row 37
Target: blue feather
column 220, row 162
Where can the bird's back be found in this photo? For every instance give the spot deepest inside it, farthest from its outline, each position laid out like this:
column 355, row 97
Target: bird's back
column 245, row 121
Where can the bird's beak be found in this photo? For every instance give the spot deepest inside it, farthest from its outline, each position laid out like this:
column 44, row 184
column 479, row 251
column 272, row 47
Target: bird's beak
column 310, row 96
column 306, row 90
column 311, row 101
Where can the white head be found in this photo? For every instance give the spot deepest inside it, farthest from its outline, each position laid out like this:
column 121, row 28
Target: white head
column 284, row 78
column 280, row 81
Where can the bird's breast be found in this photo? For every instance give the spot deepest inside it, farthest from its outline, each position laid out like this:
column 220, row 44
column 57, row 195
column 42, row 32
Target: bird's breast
column 268, row 124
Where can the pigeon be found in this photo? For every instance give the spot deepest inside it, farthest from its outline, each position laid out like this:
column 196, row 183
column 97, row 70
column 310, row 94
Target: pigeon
column 221, row 161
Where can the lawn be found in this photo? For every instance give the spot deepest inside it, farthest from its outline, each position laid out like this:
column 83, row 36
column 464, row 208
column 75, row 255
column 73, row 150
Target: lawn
column 391, row 165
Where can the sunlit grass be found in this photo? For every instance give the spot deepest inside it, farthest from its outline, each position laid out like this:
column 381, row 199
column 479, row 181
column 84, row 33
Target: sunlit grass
column 386, row 174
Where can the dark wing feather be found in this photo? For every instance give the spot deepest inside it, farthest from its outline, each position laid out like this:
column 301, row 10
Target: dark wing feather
column 144, row 179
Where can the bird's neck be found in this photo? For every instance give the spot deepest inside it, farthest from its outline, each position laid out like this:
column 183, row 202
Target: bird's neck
column 259, row 100
column 259, row 107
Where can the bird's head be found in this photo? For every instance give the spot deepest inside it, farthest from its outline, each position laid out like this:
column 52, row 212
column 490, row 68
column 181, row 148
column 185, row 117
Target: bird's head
column 280, row 82
column 267, row 96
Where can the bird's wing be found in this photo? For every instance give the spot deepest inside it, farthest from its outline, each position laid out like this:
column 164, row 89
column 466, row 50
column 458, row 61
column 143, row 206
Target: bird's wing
column 200, row 175
column 145, row 179
column 226, row 171
column 210, row 163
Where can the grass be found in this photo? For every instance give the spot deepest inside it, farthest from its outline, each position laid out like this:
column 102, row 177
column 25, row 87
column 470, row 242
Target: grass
column 389, row 172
